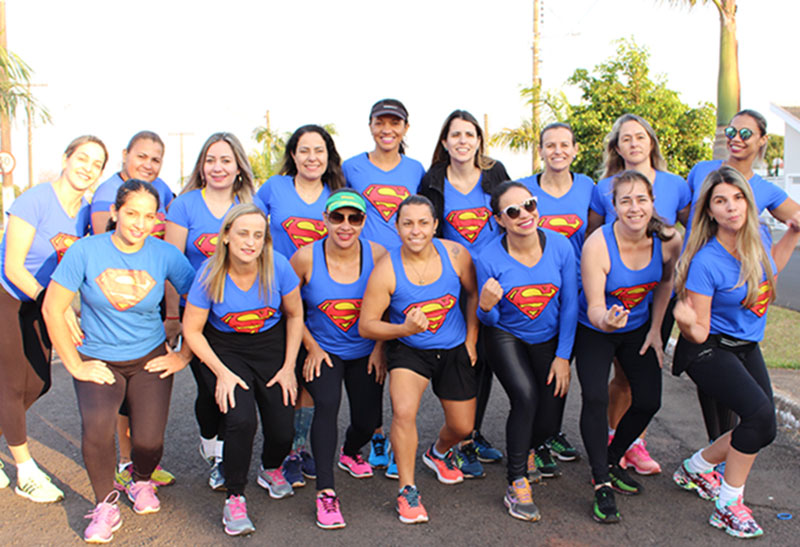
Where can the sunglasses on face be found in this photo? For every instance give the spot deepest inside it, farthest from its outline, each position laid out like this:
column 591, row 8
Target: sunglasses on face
column 354, row 219
column 513, row 211
column 744, row 133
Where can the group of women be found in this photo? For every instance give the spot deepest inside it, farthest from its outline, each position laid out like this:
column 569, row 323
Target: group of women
column 351, row 273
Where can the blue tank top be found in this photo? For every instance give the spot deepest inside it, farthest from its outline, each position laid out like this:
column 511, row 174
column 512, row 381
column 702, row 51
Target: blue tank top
column 631, row 289
column 333, row 308
column 439, row 302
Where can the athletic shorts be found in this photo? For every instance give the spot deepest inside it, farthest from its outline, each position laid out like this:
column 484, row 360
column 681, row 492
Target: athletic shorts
column 450, row 371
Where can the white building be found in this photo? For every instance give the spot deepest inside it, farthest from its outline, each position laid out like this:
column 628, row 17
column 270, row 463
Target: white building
column 789, row 178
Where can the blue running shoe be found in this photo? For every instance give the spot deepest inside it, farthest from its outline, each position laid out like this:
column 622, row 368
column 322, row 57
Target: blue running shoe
column 309, row 466
column 378, row 456
column 486, row 452
column 391, row 469
column 292, row 470
column 720, row 468
column 467, row 460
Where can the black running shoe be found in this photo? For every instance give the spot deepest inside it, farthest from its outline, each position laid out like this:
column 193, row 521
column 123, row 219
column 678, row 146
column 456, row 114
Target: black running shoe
column 605, row 506
column 622, row 482
column 545, row 463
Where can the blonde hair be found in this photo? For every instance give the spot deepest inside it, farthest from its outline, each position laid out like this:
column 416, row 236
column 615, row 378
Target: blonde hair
column 752, row 255
column 613, row 163
column 243, row 187
column 216, row 270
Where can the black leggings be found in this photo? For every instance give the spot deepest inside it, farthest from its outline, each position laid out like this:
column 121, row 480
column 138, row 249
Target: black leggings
column 594, row 352
column 255, row 358
column 148, row 402
column 206, row 412
column 737, row 378
column 535, row 412
column 485, row 377
column 365, row 396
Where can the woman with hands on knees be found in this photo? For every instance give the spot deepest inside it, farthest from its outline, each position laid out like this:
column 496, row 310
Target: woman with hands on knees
column 244, row 321
column 529, row 302
column 626, row 269
column 124, row 356
column 419, row 284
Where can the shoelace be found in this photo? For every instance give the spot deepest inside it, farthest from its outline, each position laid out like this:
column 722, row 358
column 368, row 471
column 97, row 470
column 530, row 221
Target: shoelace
column 379, row 447
column 449, row 460
column 329, row 503
column 237, row 506
column 522, row 492
column 104, row 509
column 359, row 459
column 741, row 511
column 412, row 496
column 277, row 476
column 470, row 452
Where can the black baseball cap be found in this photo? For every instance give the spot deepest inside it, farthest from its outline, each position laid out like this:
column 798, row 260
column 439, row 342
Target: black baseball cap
column 389, row 107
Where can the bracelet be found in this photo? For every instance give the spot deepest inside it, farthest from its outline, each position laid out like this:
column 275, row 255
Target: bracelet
column 168, row 318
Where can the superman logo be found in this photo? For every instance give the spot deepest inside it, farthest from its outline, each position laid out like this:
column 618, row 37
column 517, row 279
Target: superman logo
column 125, row 288
column 206, row 244
column 303, row 231
column 61, row 242
column 386, row 198
column 762, row 302
column 160, row 227
column 343, row 312
column 248, row 322
column 469, row 222
column 532, row 299
column 563, row 224
column 435, row 310
column 633, row 296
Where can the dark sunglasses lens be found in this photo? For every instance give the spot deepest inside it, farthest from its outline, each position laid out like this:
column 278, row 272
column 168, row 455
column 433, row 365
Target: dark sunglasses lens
column 335, row 217
column 356, row 219
column 530, row 205
column 513, row 212
column 745, row 133
column 730, row 132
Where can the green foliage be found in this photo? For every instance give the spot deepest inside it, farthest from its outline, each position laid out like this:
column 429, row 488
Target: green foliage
column 774, row 150
column 267, row 161
column 554, row 108
column 15, row 75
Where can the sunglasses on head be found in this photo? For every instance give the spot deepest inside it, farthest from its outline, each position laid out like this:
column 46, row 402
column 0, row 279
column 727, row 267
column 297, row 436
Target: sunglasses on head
column 744, row 133
column 354, row 219
column 513, row 211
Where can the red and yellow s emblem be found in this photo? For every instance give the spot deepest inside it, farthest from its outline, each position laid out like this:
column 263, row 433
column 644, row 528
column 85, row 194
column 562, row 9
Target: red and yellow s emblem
column 532, row 299
column 564, row 224
column 206, row 244
column 386, row 198
column 762, row 302
column 303, row 231
column 435, row 310
column 343, row 312
column 160, row 227
column 633, row 296
column 125, row 288
column 61, row 242
column 469, row 222
column 248, row 322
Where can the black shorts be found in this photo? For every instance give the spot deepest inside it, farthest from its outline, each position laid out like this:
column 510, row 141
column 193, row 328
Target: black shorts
column 452, row 375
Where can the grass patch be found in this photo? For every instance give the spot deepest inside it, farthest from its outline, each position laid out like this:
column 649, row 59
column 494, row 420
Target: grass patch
column 779, row 345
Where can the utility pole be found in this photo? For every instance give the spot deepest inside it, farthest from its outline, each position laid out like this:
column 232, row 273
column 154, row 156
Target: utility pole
column 29, row 112
column 537, row 85
column 5, row 122
column 486, row 132
column 180, row 135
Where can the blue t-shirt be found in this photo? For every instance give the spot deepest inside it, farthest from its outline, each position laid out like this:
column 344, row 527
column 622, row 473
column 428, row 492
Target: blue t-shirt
column 55, row 233
column 292, row 222
column 438, row 300
column 714, row 272
column 631, row 289
column 539, row 302
column 247, row 311
column 333, row 308
column 567, row 215
column 468, row 218
column 121, row 293
column 383, row 191
column 106, row 194
column 671, row 194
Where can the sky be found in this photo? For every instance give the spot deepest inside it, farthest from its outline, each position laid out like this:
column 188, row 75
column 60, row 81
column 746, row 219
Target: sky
column 112, row 68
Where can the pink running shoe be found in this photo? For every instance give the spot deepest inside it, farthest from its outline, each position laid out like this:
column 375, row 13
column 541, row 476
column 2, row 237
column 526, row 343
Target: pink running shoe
column 638, row 456
column 105, row 520
column 329, row 512
column 143, row 496
column 355, row 465
column 736, row 519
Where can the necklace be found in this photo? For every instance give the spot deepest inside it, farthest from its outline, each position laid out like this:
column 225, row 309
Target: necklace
column 420, row 276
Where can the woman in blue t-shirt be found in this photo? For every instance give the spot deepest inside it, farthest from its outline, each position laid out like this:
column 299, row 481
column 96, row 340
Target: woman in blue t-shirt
column 234, row 323
column 626, row 272
column 42, row 223
column 124, row 356
column 221, row 178
column 419, row 284
column 725, row 282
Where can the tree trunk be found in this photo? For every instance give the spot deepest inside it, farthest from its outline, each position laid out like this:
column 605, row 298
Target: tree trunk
column 728, row 88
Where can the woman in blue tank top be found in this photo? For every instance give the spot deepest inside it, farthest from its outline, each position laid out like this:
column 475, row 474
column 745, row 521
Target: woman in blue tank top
column 333, row 274
column 626, row 270
column 419, row 285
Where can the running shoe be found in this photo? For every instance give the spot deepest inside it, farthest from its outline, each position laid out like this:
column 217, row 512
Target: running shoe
column 534, row 475
column 209, row 459
column 309, row 466
column 409, row 506
column 622, row 462
column 329, row 512
column 736, row 519
column 378, row 455
column 720, row 469
column 143, row 496
column 545, row 463
column 467, row 460
column 355, row 465
column 234, row 517
column 292, row 470
column 391, row 469
column 124, row 478
column 561, row 448
column 486, row 452
column 605, row 506
column 622, row 482
column 273, row 481
column 162, row 477
column 519, row 501
column 445, row 468
column 39, row 487
column 705, row 484
column 4, row 481
column 638, row 457
column 216, row 479
column 105, row 520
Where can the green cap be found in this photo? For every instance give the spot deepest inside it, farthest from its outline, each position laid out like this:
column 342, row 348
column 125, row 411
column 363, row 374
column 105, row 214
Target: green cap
column 346, row 198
